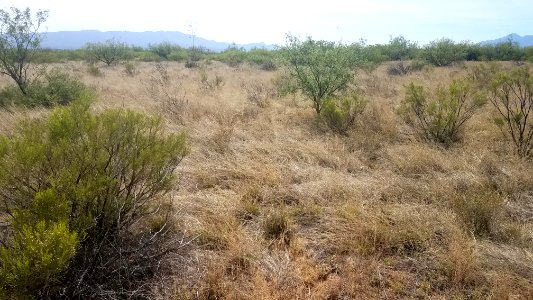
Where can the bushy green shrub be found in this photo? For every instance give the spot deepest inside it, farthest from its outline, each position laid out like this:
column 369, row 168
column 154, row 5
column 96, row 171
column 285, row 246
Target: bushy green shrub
column 163, row 49
column 399, row 48
column 56, row 88
column 528, row 54
column 92, row 184
column 511, row 94
column 440, row 117
column 41, row 248
column 109, row 52
column 340, row 113
column 444, row 52
column 482, row 75
column 232, row 56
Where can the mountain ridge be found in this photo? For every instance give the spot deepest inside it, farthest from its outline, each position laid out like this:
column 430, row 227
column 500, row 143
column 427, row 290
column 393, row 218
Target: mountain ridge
column 78, row 39
column 523, row 41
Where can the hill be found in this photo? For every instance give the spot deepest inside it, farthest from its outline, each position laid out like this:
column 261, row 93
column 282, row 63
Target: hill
column 523, row 41
column 78, row 39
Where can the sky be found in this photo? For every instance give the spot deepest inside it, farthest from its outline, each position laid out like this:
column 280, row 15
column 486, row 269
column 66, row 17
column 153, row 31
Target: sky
column 269, row 21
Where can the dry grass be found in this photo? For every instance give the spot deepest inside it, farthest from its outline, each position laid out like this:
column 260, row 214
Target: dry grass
column 277, row 208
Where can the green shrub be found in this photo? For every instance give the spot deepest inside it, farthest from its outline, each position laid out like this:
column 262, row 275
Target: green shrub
column 163, row 49
column 528, row 54
column 41, row 248
column 441, row 117
column 483, row 74
column 340, row 113
column 92, row 182
column 109, row 52
column 399, row 48
column 11, row 95
column 444, row 52
column 178, row 55
column 512, row 96
column 57, row 88
column 232, row 56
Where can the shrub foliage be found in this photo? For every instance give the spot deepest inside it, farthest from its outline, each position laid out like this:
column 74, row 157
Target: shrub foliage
column 512, row 96
column 321, row 69
column 109, row 52
column 440, row 117
column 56, row 88
column 340, row 113
column 444, row 52
column 89, row 185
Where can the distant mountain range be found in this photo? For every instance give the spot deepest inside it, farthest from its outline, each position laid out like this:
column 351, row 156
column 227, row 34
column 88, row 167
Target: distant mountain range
column 523, row 41
column 78, row 39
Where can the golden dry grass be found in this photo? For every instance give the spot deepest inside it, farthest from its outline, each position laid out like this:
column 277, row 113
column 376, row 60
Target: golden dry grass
column 276, row 207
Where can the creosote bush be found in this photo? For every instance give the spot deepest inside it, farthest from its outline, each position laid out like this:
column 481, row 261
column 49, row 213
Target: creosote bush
column 340, row 113
column 511, row 94
column 440, row 117
column 83, row 195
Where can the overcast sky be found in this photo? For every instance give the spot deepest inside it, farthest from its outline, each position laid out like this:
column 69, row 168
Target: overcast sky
column 267, row 21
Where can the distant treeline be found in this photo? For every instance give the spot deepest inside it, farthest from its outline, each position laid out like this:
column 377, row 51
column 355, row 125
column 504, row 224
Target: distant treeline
column 439, row 52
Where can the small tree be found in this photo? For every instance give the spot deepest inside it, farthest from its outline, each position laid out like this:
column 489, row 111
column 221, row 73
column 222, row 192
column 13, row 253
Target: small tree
column 19, row 41
column 441, row 118
column 512, row 96
column 110, row 52
column 320, row 68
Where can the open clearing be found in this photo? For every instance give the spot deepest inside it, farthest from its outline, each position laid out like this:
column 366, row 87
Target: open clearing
column 273, row 205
